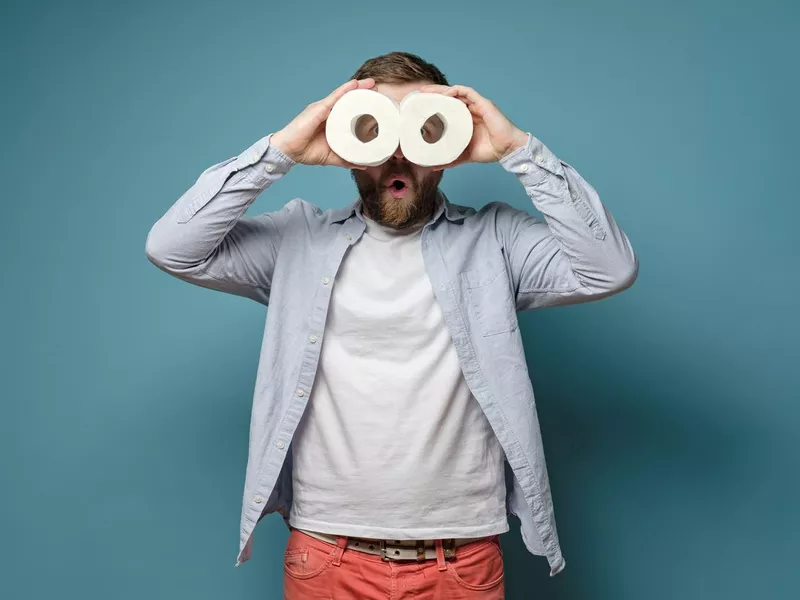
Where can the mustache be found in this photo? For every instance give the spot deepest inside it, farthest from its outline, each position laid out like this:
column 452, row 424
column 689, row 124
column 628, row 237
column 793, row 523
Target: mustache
column 390, row 170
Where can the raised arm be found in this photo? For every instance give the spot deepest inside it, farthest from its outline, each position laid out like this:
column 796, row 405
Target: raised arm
column 204, row 238
column 579, row 253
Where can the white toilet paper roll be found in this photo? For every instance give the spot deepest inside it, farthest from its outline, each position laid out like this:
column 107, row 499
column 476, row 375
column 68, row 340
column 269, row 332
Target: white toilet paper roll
column 415, row 109
column 340, row 127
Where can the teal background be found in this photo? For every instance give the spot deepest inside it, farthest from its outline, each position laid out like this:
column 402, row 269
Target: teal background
column 670, row 413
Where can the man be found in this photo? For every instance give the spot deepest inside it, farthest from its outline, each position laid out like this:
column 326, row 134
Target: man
column 393, row 424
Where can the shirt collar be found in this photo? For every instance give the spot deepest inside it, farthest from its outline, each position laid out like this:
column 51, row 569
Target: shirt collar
column 451, row 211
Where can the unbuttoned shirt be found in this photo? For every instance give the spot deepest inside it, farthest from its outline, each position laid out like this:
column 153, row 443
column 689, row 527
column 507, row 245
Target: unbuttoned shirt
column 484, row 266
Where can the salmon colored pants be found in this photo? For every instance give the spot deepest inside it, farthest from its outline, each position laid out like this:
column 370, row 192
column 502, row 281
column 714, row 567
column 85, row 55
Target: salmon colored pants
column 317, row 570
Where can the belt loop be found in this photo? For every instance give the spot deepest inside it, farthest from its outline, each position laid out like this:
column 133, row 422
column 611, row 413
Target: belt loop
column 341, row 544
column 440, row 564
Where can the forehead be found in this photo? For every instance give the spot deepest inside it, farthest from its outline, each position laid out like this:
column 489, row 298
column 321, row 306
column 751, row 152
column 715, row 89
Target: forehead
column 398, row 91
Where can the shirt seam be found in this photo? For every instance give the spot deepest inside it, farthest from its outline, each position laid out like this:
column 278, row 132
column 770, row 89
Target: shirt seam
column 205, row 269
column 550, row 290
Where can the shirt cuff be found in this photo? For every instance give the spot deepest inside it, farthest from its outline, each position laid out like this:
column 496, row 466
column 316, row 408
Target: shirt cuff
column 264, row 162
column 532, row 162
column 558, row 568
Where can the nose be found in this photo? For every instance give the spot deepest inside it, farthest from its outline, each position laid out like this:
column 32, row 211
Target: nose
column 398, row 154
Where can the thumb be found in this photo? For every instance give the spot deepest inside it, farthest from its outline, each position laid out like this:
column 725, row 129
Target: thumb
column 335, row 160
column 449, row 165
column 463, row 157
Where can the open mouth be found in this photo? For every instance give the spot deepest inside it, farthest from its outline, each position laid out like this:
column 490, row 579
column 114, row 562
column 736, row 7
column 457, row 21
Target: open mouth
column 398, row 186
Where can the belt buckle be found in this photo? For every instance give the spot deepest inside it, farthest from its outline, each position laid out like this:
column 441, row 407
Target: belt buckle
column 448, row 545
column 384, row 555
column 383, row 550
column 419, row 557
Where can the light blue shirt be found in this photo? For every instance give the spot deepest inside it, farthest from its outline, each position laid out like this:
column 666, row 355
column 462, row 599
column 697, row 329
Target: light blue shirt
column 483, row 265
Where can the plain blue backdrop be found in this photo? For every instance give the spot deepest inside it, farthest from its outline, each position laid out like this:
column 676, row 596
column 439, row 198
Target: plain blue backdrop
column 670, row 413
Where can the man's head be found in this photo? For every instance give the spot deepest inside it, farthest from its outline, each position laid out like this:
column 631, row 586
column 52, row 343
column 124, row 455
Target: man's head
column 398, row 193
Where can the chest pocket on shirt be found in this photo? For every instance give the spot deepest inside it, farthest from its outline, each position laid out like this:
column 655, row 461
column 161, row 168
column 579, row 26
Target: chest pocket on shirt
column 488, row 291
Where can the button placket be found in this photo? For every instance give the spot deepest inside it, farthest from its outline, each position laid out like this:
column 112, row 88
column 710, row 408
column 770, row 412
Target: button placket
column 326, row 280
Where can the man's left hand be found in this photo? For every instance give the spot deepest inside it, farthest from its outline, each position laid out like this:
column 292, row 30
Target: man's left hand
column 493, row 136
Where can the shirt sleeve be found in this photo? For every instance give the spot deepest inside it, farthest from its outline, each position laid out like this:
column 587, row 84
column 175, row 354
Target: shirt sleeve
column 204, row 239
column 578, row 253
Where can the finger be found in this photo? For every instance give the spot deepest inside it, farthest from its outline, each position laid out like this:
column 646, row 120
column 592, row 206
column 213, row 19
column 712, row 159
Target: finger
column 339, row 92
column 449, row 165
column 461, row 91
column 337, row 161
column 367, row 83
column 434, row 88
column 464, row 157
column 444, row 90
column 470, row 95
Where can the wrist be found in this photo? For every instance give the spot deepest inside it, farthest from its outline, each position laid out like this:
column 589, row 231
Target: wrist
column 277, row 141
column 517, row 141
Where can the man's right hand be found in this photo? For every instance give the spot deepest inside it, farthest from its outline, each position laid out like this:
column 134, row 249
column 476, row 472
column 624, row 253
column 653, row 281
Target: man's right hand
column 303, row 140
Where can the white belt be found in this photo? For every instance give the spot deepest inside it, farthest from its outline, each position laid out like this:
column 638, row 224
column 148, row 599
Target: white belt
column 396, row 549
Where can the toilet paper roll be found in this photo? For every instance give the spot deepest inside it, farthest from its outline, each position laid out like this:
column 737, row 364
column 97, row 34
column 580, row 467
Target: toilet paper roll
column 415, row 109
column 340, row 127
column 398, row 124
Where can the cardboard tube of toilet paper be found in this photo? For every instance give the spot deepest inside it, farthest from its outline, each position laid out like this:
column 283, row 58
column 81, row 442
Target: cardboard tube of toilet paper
column 340, row 127
column 415, row 109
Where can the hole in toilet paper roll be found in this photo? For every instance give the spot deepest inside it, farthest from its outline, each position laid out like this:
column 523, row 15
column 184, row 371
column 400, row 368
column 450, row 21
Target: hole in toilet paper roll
column 434, row 128
column 364, row 128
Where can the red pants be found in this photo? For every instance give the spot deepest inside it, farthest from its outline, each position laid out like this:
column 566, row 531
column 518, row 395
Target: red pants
column 317, row 570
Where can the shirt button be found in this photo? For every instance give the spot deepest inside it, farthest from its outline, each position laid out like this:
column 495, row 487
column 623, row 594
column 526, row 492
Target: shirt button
column 312, row 339
column 524, row 168
column 280, row 445
column 348, row 236
column 574, row 196
column 300, row 393
column 258, row 499
column 270, row 168
column 539, row 158
column 325, row 281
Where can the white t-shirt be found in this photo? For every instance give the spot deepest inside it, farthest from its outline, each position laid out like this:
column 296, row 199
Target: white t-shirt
column 392, row 443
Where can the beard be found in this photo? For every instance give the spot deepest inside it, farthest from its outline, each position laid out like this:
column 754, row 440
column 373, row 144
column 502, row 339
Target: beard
column 416, row 206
